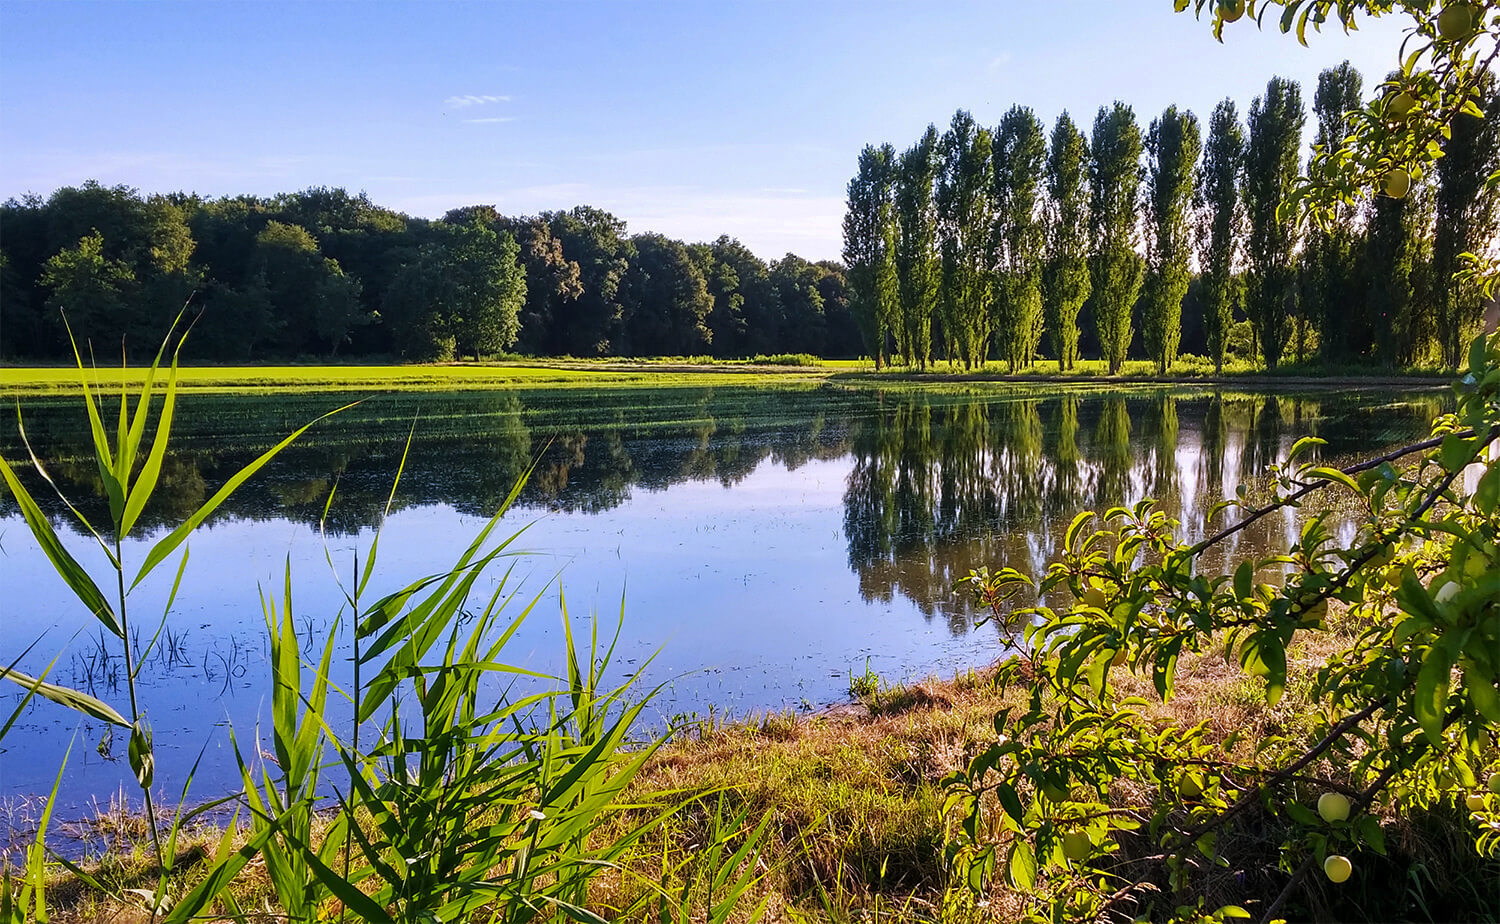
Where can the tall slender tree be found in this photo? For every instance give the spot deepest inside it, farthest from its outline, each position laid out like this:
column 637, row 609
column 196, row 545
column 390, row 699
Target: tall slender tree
column 1018, row 237
column 1397, row 274
column 1271, row 168
column 918, row 268
column 965, row 206
column 1066, row 283
column 1115, row 266
column 869, row 231
column 1220, row 226
column 1332, row 296
column 1172, row 145
column 1468, row 217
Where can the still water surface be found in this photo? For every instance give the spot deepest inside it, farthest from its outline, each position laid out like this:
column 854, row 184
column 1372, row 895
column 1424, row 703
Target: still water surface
column 763, row 543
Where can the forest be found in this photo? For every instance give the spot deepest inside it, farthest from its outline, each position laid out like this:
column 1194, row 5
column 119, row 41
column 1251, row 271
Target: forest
column 1005, row 243
column 974, row 244
column 323, row 273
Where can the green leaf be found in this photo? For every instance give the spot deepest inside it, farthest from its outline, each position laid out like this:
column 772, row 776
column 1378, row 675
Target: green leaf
column 1370, row 832
column 67, row 696
column 1334, row 475
column 169, row 544
column 63, row 562
column 1431, row 697
column 1457, row 451
column 1244, row 581
column 1010, row 802
column 1303, row 445
column 142, row 757
column 1482, row 694
column 145, row 482
column 1022, row 865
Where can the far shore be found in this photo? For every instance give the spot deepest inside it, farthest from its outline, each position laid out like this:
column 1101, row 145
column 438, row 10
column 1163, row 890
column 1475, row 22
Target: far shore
column 533, row 373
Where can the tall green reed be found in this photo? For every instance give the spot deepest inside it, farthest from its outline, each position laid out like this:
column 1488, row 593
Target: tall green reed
column 474, row 802
column 129, row 471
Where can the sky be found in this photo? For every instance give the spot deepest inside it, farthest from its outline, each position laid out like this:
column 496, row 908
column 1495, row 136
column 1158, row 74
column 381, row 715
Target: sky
column 692, row 118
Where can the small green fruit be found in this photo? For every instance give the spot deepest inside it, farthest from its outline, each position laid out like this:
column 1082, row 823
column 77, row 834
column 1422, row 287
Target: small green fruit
column 1397, row 183
column 1191, row 786
column 1474, row 802
column 1401, row 105
column 1456, row 22
column 1446, row 591
column 1337, row 868
column 1076, row 845
column 1231, row 10
column 1333, row 807
column 1494, row 783
column 1057, row 793
column 1094, row 597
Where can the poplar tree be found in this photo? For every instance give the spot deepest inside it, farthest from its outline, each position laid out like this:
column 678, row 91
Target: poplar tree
column 1116, row 268
column 965, row 209
column 869, row 229
column 1332, row 295
column 1468, row 218
column 1271, row 168
column 1173, row 145
column 1066, row 283
column 1018, row 236
column 1221, row 226
column 1397, row 272
column 917, row 266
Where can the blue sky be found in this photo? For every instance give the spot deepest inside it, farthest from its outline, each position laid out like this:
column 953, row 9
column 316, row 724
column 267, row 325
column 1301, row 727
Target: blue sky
column 688, row 118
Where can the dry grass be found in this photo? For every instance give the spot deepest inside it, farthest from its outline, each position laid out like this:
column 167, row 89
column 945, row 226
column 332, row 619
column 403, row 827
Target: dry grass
column 856, row 797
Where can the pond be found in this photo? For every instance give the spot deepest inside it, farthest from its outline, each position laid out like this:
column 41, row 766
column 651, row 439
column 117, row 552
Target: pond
column 756, row 546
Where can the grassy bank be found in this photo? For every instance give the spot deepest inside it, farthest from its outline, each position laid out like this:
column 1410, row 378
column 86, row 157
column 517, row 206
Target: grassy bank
column 855, row 799
column 696, row 371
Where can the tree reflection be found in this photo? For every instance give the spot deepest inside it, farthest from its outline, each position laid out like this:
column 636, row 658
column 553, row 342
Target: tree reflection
column 938, row 482
column 939, row 487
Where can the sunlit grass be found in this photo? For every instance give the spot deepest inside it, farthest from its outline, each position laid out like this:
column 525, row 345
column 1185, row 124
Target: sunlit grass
column 659, row 371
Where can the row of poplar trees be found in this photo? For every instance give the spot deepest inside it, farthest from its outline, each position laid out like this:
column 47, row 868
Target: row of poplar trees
column 982, row 243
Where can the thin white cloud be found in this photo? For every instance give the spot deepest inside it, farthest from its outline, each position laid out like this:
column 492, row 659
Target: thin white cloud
column 461, row 102
column 490, row 120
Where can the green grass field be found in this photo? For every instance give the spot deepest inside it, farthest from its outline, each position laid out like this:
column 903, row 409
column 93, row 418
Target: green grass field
column 654, row 372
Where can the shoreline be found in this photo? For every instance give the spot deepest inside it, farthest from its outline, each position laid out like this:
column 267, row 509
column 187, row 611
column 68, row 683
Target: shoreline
column 63, row 379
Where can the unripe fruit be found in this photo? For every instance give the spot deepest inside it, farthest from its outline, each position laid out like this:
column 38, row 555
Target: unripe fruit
column 1446, row 591
column 1056, row 793
column 1190, row 786
column 1337, row 868
column 1392, row 576
column 1231, row 10
column 1474, row 802
column 1397, row 183
column 1076, row 845
column 1094, row 597
column 1456, row 22
column 1494, row 783
column 1401, row 105
column 1333, row 807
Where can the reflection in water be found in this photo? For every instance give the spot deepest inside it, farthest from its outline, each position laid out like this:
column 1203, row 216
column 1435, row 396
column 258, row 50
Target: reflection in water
column 774, row 540
column 938, row 489
column 939, row 482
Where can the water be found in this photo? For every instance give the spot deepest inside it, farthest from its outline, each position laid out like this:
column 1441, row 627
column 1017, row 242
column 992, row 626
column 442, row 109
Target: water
column 764, row 543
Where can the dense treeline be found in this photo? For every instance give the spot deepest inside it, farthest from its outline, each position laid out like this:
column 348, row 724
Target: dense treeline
column 323, row 273
column 980, row 244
